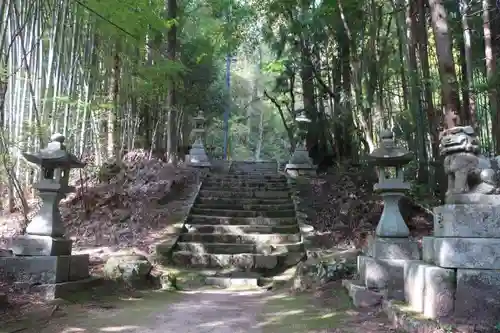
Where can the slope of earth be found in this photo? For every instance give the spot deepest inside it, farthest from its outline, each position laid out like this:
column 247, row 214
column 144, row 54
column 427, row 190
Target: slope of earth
column 123, row 205
column 344, row 210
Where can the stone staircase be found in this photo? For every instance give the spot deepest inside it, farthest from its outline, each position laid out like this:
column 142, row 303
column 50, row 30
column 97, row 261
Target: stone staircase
column 242, row 224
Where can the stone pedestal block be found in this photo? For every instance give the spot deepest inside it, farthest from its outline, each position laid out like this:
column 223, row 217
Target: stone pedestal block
column 439, row 293
column 78, row 267
column 478, row 295
column 474, row 253
column 35, row 270
column 33, row 245
column 415, row 285
column 360, row 295
column 429, row 289
column 379, row 274
column 393, row 248
column 455, row 221
column 428, row 249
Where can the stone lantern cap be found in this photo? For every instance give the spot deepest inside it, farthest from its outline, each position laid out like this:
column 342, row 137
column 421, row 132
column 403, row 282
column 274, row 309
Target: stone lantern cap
column 54, row 155
column 199, row 117
column 388, row 154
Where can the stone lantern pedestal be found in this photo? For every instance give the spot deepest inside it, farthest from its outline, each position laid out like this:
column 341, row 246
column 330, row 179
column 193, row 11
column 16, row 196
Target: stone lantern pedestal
column 300, row 163
column 42, row 256
column 197, row 154
column 381, row 267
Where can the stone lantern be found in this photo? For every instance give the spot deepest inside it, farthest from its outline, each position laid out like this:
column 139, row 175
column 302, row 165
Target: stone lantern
column 381, row 267
column 197, row 154
column 300, row 163
column 389, row 161
column 46, row 228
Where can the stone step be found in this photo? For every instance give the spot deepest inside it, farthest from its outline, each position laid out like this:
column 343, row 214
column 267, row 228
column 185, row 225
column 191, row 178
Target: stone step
column 240, row 238
column 244, row 187
column 243, row 194
column 243, row 229
column 229, row 220
column 235, row 280
column 235, row 248
column 255, row 173
column 248, row 178
column 243, row 261
column 237, row 206
column 242, row 201
column 242, row 213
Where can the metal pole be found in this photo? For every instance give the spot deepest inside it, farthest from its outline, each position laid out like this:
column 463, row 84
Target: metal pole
column 228, row 104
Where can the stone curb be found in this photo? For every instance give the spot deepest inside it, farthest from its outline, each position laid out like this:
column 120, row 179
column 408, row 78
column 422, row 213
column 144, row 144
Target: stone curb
column 412, row 322
column 172, row 237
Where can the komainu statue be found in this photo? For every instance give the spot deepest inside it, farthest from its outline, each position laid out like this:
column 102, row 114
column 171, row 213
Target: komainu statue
column 467, row 171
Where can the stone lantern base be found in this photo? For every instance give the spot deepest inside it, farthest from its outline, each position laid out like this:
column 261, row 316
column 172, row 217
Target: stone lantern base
column 198, row 156
column 54, row 276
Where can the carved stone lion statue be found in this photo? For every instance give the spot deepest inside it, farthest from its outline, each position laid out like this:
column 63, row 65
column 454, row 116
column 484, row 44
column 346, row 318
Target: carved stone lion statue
column 467, row 171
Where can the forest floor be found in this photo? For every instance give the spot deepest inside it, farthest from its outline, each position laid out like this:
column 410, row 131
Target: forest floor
column 130, row 211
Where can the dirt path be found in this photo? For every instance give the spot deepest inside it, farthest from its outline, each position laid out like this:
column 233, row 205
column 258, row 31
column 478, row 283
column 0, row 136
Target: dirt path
column 154, row 312
column 211, row 311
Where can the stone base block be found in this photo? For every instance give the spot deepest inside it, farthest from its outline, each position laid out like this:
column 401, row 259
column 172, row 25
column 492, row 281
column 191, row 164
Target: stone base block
column 59, row 290
column 405, row 320
column 473, row 253
column 393, row 248
column 429, row 289
column 380, row 274
column 361, row 296
column 455, row 221
column 33, row 245
column 478, row 295
column 428, row 249
column 44, row 269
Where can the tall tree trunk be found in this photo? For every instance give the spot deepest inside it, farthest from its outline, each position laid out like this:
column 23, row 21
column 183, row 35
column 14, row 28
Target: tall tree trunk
column 171, row 104
column 432, row 116
column 490, row 59
column 447, row 73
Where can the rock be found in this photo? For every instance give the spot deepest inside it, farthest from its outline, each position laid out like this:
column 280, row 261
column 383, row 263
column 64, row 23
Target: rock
column 131, row 269
column 314, row 272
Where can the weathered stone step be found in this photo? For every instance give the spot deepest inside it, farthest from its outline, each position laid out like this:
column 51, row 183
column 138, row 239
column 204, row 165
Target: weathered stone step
column 244, row 261
column 242, row 213
column 240, row 238
column 250, row 178
column 242, row 229
column 235, row 248
column 255, row 173
column 246, row 187
column 243, row 201
column 243, row 194
column 235, row 279
column 229, row 220
column 237, row 206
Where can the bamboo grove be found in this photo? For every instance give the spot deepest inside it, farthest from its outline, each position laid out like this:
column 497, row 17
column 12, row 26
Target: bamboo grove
column 116, row 75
